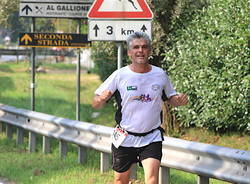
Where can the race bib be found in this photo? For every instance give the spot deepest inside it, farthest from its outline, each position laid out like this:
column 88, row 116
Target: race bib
column 118, row 136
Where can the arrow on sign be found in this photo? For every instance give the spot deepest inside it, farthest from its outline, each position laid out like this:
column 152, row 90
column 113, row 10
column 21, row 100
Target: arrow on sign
column 143, row 28
column 96, row 28
column 26, row 8
column 26, row 38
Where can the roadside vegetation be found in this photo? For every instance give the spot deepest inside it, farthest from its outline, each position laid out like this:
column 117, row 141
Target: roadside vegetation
column 202, row 44
column 55, row 94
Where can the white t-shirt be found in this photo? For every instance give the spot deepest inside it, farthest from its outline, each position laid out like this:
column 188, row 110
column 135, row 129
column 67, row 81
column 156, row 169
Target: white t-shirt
column 141, row 101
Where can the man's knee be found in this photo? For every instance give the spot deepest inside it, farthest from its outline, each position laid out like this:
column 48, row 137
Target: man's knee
column 122, row 178
column 152, row 180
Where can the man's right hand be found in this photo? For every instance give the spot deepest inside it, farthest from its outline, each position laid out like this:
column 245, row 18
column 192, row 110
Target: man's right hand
column 99, row 100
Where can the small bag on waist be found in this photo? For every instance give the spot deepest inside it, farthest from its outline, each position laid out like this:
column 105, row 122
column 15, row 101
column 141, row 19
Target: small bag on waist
column 149, row 132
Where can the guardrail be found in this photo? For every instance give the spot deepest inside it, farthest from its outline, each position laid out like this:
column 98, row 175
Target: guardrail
column 49, row 52
column 205, row 160
column 14, row 52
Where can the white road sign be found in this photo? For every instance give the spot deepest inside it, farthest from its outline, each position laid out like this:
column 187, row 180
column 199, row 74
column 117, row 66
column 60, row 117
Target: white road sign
column 59, row 9
column 120, row 9
column 116, row 30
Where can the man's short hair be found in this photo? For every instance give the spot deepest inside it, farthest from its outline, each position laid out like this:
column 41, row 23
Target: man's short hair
column 138, row 35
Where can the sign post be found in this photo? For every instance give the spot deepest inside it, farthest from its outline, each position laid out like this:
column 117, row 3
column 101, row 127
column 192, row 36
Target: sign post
column 33, row 71
column 78, row 74
column 113, row 20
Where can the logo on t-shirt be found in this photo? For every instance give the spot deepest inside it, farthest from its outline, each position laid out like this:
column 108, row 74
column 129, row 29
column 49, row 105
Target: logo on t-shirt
column 155, row 87
column 131, row 88
column 142, row 98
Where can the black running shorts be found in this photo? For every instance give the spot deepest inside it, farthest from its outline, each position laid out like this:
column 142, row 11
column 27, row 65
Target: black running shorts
column 124, row 157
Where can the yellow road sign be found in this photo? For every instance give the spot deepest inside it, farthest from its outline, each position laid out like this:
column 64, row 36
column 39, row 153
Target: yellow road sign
column 65, row 40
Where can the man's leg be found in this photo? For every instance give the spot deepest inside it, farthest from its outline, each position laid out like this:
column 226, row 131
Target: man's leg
column 122, row 178
column 151, row 159
column 151, row 170
column 123, row 158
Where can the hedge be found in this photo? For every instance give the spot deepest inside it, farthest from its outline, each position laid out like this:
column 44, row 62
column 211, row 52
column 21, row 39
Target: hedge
column 209, row 60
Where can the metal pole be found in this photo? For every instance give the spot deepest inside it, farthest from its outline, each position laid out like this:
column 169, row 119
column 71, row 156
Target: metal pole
column 78, row 74
column 119, row 55
column 32, row 136
column 33, row 68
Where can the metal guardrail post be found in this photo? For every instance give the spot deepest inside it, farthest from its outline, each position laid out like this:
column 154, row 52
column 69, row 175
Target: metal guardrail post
column 133, row 174
column 32, row 142
column 9, row 131
column 104, row 162
column 202, row 180
column 82, row 154
column 1, row 127
column 20, row 136
column 63, row 148
column 164, row 175
column 46, row 144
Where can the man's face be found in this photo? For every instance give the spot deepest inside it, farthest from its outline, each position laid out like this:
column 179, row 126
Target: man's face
column 139, row 51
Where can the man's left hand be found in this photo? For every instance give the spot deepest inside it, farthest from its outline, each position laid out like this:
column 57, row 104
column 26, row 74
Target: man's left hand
column 179, row 100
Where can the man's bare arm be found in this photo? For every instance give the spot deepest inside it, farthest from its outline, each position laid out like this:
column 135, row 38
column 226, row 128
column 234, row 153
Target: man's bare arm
column 100, row 100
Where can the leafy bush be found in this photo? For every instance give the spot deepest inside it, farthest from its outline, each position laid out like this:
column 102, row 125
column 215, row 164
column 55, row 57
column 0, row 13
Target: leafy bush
column 103, row 55
column 209, row 60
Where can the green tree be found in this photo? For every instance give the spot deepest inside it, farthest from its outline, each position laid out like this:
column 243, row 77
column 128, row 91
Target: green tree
column 9, row 18
column 7, row 8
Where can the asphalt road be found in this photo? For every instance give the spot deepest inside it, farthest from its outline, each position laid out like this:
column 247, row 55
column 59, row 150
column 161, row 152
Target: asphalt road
column 5, row 181
column 6, row 58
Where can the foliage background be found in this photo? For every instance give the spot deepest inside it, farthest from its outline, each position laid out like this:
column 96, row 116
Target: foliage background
column 202, row 44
